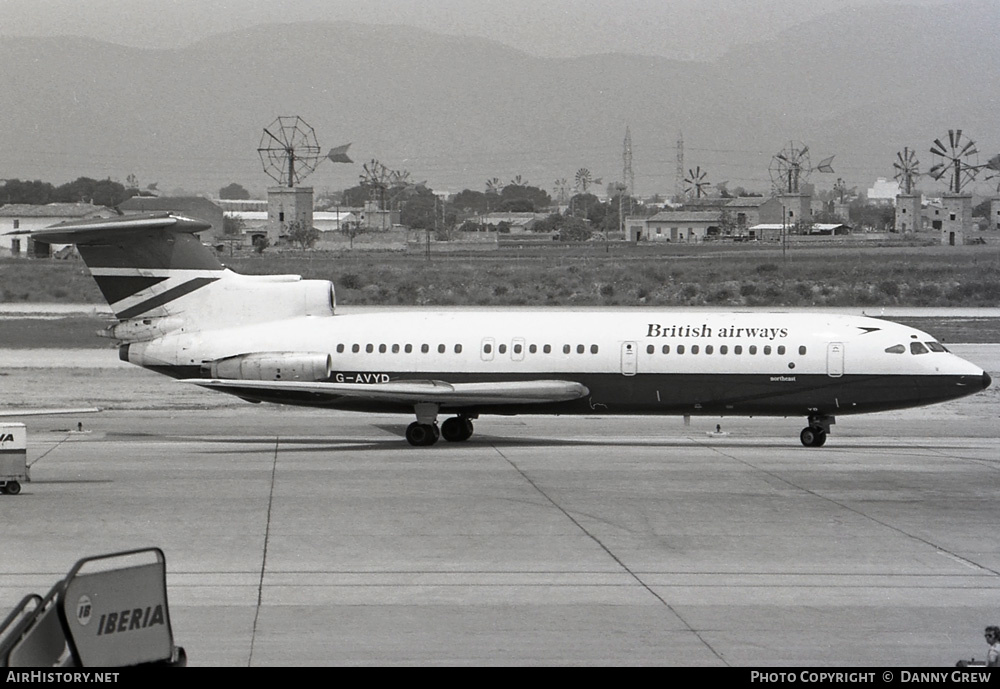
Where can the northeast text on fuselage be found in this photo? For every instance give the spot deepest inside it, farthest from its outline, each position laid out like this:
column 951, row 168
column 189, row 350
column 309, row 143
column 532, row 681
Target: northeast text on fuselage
column 681, row 331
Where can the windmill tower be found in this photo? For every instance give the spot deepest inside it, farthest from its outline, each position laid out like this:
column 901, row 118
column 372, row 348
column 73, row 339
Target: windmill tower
column 958, row 162
column 289, row 153
column 908, row 200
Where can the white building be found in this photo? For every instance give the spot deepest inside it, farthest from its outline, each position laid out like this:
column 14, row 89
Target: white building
column 884, row 192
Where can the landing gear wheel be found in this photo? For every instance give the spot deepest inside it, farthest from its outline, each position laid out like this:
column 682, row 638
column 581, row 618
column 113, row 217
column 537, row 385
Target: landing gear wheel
column 12, row 488
column 422, row 434
column 813, row 437
column 457, row 429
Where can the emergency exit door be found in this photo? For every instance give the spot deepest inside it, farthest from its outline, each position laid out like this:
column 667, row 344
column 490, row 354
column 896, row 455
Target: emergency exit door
column 835, row 359
column 629, row 358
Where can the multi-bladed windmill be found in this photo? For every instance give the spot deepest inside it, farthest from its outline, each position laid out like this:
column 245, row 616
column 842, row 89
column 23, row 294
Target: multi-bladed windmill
column 695, row 182
column 958, row 159
column 907, row 169
column 791, row 166
column 289, row 151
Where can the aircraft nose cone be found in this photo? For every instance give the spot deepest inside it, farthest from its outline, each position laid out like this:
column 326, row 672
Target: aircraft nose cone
column 986, row 380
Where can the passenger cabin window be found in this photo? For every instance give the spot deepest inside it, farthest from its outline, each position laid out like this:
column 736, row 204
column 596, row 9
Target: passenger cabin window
column 666, row 349
column 650, row 349
column 895, row 349
column 340, row 349
column 680, row 349
column 502, row 348
column 441, row 349
column 408, row 348
column 547, row 349
column 425, row 348
column 488, row 348
column 356, row 348
column 458, row 349
column 566, row 349
column 802, row 351
column 593, row 349
column 917, row 348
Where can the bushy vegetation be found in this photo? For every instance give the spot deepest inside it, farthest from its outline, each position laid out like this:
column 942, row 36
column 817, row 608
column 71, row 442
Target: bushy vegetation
column 931, row 276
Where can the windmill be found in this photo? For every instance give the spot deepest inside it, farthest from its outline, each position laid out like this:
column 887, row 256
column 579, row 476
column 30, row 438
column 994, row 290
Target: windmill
column 907, row 169
column 695, row 181
column 994, row 166
column 584, row 180
column 841, row 190
column 561, row 190
column 376, row 177
column 791, row 166
column 288, row 150
column 959, row 159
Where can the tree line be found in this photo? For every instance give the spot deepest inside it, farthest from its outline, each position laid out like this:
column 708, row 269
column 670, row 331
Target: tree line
column 100, row 192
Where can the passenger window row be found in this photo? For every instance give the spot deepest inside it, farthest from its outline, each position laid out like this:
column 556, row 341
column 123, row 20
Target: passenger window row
column 722, row 349
column 533, row 349
column 396, row 349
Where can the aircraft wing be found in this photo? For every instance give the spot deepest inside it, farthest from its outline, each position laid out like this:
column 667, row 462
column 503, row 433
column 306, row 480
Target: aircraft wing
column 47, row 412
column 415, row 391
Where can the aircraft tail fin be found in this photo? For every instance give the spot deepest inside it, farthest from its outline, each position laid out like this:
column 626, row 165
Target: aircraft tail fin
column 159, row 278
column 141, row 263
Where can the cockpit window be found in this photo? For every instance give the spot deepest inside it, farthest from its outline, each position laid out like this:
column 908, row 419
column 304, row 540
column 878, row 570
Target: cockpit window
column 896, row 349
column 936, row 347
column 917, row 348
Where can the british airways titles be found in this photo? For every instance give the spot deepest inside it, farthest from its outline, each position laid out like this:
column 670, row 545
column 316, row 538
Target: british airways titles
column 703, row 330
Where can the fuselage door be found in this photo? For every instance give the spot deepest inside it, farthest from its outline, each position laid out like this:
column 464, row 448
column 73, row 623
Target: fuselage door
column 629, row 358
column 487, row 348
column 835, row 359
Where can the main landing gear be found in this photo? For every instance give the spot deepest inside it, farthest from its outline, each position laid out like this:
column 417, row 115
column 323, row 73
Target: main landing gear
column 814, row 435
column 424, row 431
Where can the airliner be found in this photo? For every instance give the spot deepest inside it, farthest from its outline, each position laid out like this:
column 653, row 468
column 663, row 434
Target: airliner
column 280, row 339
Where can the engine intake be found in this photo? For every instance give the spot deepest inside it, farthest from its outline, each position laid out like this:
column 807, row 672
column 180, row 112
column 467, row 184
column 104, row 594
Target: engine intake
column 302, row 366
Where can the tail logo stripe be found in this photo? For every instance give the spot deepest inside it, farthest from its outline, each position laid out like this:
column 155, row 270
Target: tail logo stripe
column 116, row 288
column 165, row 297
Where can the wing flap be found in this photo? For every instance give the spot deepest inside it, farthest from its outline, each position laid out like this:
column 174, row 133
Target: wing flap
column 415, row 391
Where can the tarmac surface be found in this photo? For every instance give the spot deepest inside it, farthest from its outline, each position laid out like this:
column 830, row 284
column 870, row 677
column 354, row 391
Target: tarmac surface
column 303, row 537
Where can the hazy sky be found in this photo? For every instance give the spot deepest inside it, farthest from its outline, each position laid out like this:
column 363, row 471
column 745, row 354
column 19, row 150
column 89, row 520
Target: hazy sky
column 552, row 28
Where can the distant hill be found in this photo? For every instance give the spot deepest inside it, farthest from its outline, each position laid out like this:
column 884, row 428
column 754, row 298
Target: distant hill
column 457, row 111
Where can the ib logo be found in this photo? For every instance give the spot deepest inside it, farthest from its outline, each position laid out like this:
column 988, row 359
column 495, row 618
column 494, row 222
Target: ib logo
column 84, row 610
